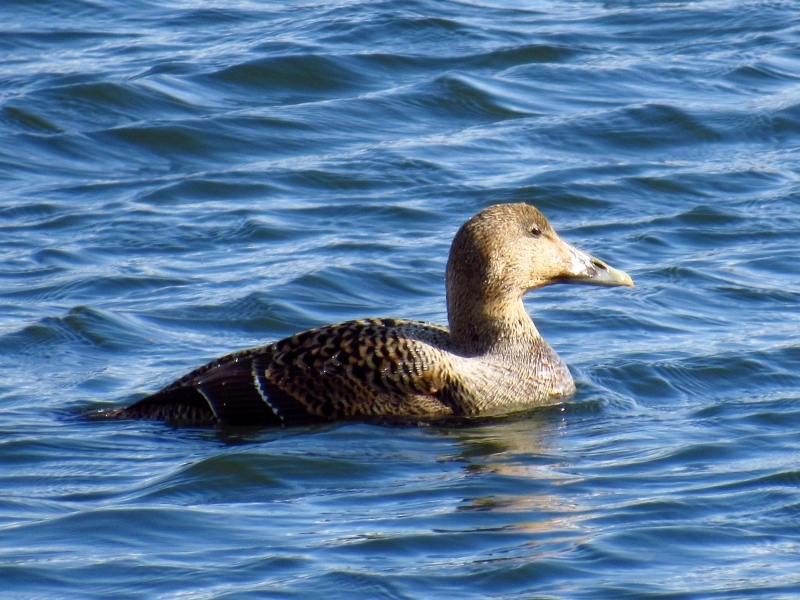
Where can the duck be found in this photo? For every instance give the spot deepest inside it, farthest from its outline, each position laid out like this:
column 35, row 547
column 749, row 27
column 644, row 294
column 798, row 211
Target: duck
column 491, row 360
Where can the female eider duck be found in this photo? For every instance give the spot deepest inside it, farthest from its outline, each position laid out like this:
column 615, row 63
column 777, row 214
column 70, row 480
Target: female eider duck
column 492, row 359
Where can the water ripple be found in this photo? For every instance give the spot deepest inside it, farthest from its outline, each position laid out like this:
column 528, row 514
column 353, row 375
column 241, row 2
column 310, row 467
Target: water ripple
column 181, row 181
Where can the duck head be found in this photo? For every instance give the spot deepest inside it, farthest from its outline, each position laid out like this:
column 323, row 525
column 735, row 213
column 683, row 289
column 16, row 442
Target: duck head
column 500, row 254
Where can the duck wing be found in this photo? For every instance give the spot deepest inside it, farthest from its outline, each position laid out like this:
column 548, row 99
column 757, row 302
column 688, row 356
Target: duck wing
column 357, row 369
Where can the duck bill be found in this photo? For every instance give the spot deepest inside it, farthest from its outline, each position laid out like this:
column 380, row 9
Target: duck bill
column 585, row 268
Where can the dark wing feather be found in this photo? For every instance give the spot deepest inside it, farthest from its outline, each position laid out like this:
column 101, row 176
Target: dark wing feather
column 230, row 389
column 183, row 405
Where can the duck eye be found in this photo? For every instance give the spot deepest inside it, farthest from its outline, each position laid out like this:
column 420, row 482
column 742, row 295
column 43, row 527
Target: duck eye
column 535, row 231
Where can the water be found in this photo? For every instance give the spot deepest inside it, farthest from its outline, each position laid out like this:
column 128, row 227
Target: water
column 180, row 180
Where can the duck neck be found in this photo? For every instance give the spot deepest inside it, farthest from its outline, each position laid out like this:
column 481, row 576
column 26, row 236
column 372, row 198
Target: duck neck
column 479, row 326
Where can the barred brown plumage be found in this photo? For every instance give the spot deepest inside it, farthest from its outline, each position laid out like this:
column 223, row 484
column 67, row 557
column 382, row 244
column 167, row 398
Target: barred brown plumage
column 492, row 359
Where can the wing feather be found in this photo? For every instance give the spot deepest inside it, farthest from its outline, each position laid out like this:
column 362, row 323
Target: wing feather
column 375, row 367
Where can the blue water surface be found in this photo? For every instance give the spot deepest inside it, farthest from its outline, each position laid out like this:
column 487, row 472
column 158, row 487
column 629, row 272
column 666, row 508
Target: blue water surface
column 181, row 179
